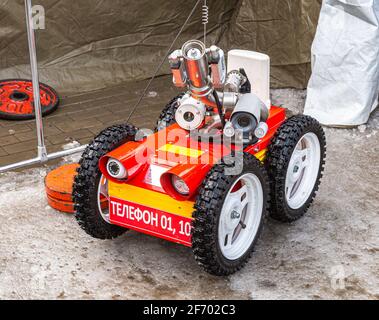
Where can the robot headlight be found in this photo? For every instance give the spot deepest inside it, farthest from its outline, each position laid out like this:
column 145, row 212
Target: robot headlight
column 116, row 169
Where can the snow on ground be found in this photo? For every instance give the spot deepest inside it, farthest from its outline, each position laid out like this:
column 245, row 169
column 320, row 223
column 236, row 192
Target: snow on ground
column 331, row 253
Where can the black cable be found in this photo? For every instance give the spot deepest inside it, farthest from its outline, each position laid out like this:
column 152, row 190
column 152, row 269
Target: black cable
column 163, row 61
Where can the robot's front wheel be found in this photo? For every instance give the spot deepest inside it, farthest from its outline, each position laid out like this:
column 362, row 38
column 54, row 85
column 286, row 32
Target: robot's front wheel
column 90, row 190
column 229, row 216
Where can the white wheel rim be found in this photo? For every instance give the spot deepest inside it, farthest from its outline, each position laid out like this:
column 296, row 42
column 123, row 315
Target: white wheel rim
column 102, row 192
column 303, row 170
column 240, row 217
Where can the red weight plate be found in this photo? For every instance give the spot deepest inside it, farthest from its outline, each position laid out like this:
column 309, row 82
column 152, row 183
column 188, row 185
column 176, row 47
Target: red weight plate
column 17, row 103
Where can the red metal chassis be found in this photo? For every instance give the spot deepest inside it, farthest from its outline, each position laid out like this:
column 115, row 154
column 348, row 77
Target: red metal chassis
column 143, row 201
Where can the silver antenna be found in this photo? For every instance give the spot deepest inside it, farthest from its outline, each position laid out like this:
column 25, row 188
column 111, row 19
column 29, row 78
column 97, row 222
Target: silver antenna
column 205, row 20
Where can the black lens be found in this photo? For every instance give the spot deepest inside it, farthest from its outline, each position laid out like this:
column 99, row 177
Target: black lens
column 189, row 116
column 244, row 122
column 114, row 168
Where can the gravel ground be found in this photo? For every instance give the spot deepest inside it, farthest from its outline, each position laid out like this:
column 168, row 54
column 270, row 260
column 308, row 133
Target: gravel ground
column 331, row 253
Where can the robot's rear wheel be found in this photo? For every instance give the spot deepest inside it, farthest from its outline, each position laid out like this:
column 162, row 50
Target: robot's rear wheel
column 167, row 116
column 295, row 164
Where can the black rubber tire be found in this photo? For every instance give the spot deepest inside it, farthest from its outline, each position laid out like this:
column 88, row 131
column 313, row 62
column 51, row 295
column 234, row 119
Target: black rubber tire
column 167, row 116
column 47, row 110
column 88, row 178
column 208, row 208
column 278, row 158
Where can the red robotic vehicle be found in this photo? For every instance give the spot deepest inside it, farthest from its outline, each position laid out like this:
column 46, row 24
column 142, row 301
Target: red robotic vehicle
column 220, row 161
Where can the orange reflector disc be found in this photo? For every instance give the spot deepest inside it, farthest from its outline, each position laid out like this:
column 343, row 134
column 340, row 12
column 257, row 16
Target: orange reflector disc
column 59, row 182
column 58, row 185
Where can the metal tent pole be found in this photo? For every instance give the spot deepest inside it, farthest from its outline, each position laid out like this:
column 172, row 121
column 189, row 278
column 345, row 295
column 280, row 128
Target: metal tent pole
column 42, row 155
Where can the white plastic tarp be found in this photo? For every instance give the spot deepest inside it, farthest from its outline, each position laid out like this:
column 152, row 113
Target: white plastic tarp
column 343, row 89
